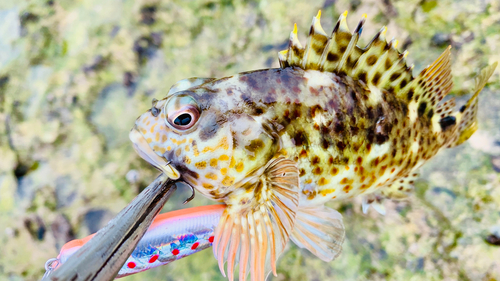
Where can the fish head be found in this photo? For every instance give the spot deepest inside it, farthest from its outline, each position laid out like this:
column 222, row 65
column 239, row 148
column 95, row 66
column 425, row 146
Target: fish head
column 205, row 138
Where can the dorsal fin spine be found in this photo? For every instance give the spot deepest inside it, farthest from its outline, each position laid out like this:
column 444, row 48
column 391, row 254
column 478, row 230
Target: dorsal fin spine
column 352, row 45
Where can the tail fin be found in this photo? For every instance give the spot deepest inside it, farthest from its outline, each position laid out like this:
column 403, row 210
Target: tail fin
column 468, row 112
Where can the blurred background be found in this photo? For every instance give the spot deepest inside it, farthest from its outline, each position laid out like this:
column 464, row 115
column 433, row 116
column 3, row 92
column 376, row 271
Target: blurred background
column 74, row 75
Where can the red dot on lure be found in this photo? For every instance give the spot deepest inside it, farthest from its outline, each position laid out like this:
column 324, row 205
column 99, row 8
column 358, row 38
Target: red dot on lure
column 211, row 239
column 153, row 258
column 175, row 252
column 195, row 245
column 131, row 264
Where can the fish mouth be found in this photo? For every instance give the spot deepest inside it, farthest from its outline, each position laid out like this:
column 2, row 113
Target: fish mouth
column 142, row 147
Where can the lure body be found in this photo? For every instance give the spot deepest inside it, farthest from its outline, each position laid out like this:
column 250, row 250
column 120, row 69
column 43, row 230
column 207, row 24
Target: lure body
column 335, row 121
column 170, row 237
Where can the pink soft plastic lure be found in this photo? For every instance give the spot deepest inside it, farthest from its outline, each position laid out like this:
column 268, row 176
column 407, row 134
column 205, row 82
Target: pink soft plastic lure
column 170, row 237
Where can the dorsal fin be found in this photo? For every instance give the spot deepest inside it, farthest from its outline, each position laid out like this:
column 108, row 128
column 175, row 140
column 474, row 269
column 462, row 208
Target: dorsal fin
column 430, row 86
column 378, row 64
column 468, row 113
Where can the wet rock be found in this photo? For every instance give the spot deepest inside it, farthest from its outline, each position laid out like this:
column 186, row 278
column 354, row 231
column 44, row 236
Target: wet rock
column 62, row 230
column 35, row 227
column 495, row 162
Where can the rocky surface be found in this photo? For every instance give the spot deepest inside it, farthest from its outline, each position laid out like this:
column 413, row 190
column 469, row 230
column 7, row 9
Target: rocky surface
column 74, row 75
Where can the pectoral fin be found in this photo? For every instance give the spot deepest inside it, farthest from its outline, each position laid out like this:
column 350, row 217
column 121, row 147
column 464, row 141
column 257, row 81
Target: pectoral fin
column 320, row 230
column 258, row 220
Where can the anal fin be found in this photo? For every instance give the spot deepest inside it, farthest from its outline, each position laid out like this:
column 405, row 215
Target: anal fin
column 320, row 230
column 258, row 220
column 375, row 201
column 401, row 188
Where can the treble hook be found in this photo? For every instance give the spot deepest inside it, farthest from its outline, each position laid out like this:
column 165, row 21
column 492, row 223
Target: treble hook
column 192, row 194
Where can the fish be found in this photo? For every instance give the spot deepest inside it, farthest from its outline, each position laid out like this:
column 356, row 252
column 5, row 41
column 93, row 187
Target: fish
column 171, row 236
column 334, row 121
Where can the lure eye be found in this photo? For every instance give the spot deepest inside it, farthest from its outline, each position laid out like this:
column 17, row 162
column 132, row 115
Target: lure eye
column 182, row 112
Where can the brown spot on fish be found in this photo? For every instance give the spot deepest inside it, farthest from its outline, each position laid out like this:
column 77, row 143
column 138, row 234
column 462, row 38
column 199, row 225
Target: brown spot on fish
column 334, row 171
column 315, row 160
column 347, row 188
column 178, row 152
column 255, row 146
column 303, row 153
column 317, row 171
column 371, row 60
column 300, row 138
column 421, row 108
column 447, row 122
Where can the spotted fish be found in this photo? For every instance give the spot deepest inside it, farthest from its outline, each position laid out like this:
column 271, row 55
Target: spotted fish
column 334, row 121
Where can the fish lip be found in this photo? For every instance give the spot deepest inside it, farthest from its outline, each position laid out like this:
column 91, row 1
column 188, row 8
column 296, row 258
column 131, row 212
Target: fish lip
column 142, row 148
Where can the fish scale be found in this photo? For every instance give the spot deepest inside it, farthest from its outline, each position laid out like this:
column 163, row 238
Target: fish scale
column 334, row 121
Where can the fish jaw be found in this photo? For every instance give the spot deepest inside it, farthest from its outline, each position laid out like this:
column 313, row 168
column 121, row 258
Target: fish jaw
column 142, row 148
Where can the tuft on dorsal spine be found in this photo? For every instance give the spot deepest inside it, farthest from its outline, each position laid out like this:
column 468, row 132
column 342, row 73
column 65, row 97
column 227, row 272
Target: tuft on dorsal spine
column 379, row 63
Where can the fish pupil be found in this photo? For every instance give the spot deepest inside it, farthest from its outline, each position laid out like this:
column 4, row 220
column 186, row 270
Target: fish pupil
column 183, row 119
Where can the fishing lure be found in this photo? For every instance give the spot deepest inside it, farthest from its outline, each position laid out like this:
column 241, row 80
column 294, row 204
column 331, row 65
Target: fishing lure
column 334, row 121
column 171, row 236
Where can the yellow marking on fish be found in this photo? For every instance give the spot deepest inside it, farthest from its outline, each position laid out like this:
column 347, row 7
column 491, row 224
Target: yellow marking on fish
column 178, row 142
column 223, row 171
column 222, row 144
column 157, row 138
column 149, row 140
column 325, row 192
column 169, row 148
column 164, row 138
column 162, row 116
column 201, row 165
column 309, row 181
column 207, row 186
column 187, row 160
column 347, row 188
column 178, row 152
column 211, row 176
column 346, row 180
column 152, row 130
column 224, row 157
column 195, row 150
column 186, row 148
column 143, row 131
column 227, row 181
column 162, row 150
column 323, row 181
column 213, row 163
column 231, row 164
column 240, row 167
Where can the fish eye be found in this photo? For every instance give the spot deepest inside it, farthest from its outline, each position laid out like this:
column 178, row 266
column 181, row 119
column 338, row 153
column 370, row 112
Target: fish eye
column 182, row 112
